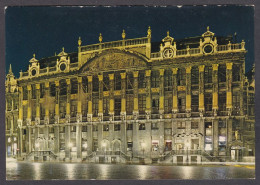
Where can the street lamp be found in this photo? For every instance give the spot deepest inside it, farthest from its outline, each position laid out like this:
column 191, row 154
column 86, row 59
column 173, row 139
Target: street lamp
column 70, row 146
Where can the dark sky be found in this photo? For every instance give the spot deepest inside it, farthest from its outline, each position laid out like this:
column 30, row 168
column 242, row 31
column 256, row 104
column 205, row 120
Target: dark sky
column 45, row 30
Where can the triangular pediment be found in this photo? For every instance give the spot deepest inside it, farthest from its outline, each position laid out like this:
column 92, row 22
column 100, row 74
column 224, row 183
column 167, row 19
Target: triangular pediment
column 114, row 59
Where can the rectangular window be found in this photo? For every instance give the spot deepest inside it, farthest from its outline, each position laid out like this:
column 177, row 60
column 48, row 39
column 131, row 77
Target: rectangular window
column 74, row 86
column 129, row 81
column 141, row 79
column 222, row 73
column 33, row 91
column 95, row 84
column 155, row 79
column 73, row 108
column 94, row 128
column 117, row 83
column 154, row 126
column 117, row 127
column 236, row 103
column 194, row 102
column 155, row 105
column 62, row 129
column 63, row 87
column 195, row 75
column 42, row 90
column 73, row 129
column 117, row 106
column 236, row 72
column 222, row 101
column 141, row 104
column 105, row 106
column 194, row 125
column 129, row 104
column 168, row 80
column 141, row 126
column 51, row 130
column 95, row 106
column 181, row 77
column 84, row 128
column 208, row 74
column 105, row 83
column 129, row 126
column 181, row 104
column 129, row 146
column 106, row 128
column 181, row 125
column 168, row 105
column 208, row 101
column 222, row 124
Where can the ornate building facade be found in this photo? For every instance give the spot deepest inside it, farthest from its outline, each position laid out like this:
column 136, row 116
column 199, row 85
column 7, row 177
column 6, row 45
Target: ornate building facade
column 121, row 102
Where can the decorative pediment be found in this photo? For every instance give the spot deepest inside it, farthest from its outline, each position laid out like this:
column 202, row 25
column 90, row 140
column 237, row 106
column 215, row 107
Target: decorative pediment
column 114, row 60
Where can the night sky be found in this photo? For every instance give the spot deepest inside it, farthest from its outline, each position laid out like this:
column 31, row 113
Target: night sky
column 45, row 30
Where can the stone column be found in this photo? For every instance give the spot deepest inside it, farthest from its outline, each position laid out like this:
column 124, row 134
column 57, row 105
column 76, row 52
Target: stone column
column 79, row 141
column 57, row 102
column 20, row 121
column 68, row 101
column 229, row 88
column 90, row 139
column 28, row 140
column 148, row 94
column 67, row 143
column 29, row 107
column 111, row 96
column 56, row 139
column 201, row 89
column 161, row 93
column 90, row 87
column 36, row 135
column 229, row 135
column 135, row 91
column 215, row 88
column 174, row 91
column 100, row 101
column 188, row 91
column 123, row 96
column 37, row 118
column 215, row 136
column 79, row 106
column 47, row 94
column 46, row 137
column 123, row 112
column 135, row 138
column 203, row 132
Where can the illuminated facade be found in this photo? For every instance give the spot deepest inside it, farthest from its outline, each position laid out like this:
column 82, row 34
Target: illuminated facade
column 121, row 102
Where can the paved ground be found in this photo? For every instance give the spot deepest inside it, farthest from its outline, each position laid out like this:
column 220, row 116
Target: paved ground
column 71, row 171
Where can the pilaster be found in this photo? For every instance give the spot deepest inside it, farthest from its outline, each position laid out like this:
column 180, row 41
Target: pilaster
column 57, row 102
column 68, row 101
column 188, row 91
column 123, row 96
column 135, row 112
column 148, row 93
column 215, row 88
column 90, row 88
column 29, row 107
column 201, row 89
column 174, row 91
column 47, row 94
column 79, row 106
column 100, row 101
column 161, row 93
column 229, row 87
column 111, row 96
column 37, row 117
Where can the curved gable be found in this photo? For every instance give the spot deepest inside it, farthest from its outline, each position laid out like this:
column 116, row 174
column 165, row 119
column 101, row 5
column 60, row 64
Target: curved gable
column 114, row 59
